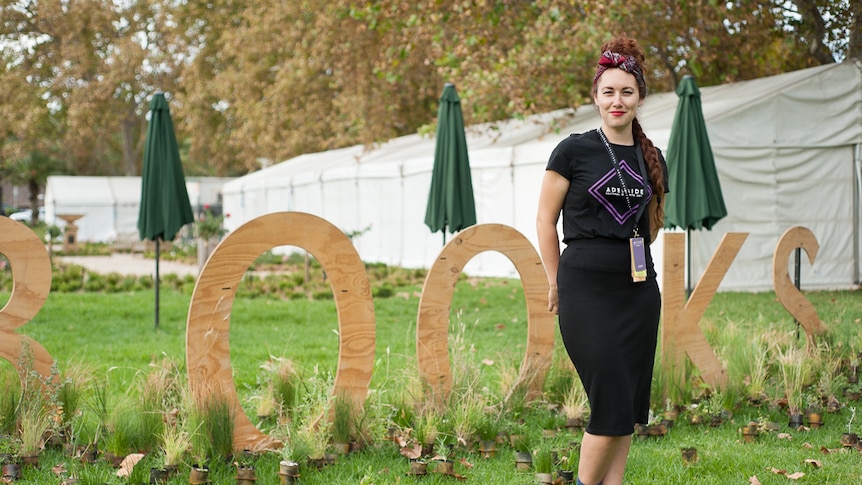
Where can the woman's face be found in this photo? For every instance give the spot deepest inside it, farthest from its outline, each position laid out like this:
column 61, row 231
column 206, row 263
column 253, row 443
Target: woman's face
column 617, row 98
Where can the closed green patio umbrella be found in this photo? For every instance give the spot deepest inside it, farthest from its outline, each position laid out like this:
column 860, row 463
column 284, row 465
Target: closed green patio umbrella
column 450, row 201
column 695, row 200
column 165, row 206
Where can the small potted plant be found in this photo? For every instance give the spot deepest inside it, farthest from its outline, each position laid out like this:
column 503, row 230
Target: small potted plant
column 523, row 454
column 849, row 439
column 543, row 465
column 575, row 407
column 550, row 424
column 245, row 474
column 296, row 450
column 568, row 465
column 689, row 455
column 34, row 424
column 174, row 444
column 813, row 412
column 442, row 451
column 487, row 429
column 342, row 424
column 751, row 431
column 10, row 457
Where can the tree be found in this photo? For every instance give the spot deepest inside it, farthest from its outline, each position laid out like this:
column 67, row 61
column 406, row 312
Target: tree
column 255, row 82
column 94, row 63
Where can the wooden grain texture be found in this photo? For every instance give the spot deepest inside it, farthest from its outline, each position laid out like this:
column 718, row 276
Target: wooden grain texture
column 432, row 323
column 208, row 328
column 680, row 331
column 31, row 276
column 789, row 296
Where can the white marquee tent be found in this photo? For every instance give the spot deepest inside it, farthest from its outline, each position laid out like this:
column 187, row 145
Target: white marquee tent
column 110, row 205
column 788, row 151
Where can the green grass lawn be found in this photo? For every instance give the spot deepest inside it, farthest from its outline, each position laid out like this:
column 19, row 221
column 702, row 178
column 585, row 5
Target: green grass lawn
column 113, row 335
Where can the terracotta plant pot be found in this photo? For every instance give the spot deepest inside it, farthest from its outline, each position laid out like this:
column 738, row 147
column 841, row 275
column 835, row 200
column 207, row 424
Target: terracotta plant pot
column 418, row 467
column 750, row 432
column 849, row 440
column 112, row 459
column 30, row 459
column 245, row 475
column 815, row 420
column 12, row 472
column 689, row 455
column 199, row 475
column 341, row 448
column 288, row 472
column 488, row 448
column 523, row 460
column 544, row 478
column 445, row 467
column 89, row 454
column 574, row 424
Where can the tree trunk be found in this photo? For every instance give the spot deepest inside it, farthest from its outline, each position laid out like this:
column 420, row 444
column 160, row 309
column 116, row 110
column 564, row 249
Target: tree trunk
column 854, row 47
column 813, row 27
column 130, row 166
column 33, row 185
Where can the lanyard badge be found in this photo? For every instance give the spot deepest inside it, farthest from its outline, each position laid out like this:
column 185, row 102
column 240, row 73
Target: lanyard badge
column 636, row 243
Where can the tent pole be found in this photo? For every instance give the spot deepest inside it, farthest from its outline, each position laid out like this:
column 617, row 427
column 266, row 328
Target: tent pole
column 157, row 283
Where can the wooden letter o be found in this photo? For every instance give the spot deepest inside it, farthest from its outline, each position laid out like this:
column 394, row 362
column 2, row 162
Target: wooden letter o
column 208, row 328
column 31, row 283
column 432, row 324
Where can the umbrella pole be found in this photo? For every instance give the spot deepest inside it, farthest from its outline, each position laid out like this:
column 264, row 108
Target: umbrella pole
column 688, row 262
column 157, row 283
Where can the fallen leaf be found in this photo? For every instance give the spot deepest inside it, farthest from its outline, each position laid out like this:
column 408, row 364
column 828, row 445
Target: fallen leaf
column 128, row 464
column 785, row 436
column 412, row 453
column 796, row 476
column 815, row 463
column 753, row 480
column 465, row 463
column 777, row 471
column 807, row 446
column 487, row 361
column 59, row 468
column 825, row 450
column 500, row 326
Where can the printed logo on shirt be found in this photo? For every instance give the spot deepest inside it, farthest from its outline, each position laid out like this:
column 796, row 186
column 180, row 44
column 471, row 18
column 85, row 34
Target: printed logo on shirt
column 610, row 195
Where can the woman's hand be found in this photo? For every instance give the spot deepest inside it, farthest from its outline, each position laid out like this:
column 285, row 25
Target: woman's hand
column 553, row 301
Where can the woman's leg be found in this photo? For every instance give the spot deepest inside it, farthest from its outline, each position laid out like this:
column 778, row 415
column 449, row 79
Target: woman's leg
column 617, row 470
column 603, row 459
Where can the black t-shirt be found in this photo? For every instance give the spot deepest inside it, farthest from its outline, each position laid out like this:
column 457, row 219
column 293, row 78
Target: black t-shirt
column 595, row 205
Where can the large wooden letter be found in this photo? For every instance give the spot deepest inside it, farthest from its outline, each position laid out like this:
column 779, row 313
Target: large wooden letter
column 432, row 323
column 789, row 296
column 31, row 283
column 680, row 334
column 208, row 329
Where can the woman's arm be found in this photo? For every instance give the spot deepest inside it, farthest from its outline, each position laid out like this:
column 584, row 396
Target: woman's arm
column 551, row 197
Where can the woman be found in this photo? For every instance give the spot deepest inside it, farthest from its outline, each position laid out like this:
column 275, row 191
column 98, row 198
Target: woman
column 603, row 285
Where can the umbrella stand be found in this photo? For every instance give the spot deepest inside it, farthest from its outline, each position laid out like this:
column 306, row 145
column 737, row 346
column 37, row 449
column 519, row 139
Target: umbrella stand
column 157, row 283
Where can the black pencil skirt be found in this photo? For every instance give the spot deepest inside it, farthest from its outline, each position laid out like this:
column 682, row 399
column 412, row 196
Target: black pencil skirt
column 609, row 326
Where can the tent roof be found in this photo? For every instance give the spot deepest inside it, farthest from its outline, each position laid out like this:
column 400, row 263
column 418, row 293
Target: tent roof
column 776, row 111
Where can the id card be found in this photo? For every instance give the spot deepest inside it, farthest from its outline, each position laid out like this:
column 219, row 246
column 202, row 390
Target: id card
column 639, row 272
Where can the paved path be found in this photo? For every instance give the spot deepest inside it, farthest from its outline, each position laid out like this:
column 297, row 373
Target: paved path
column 129, row 264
